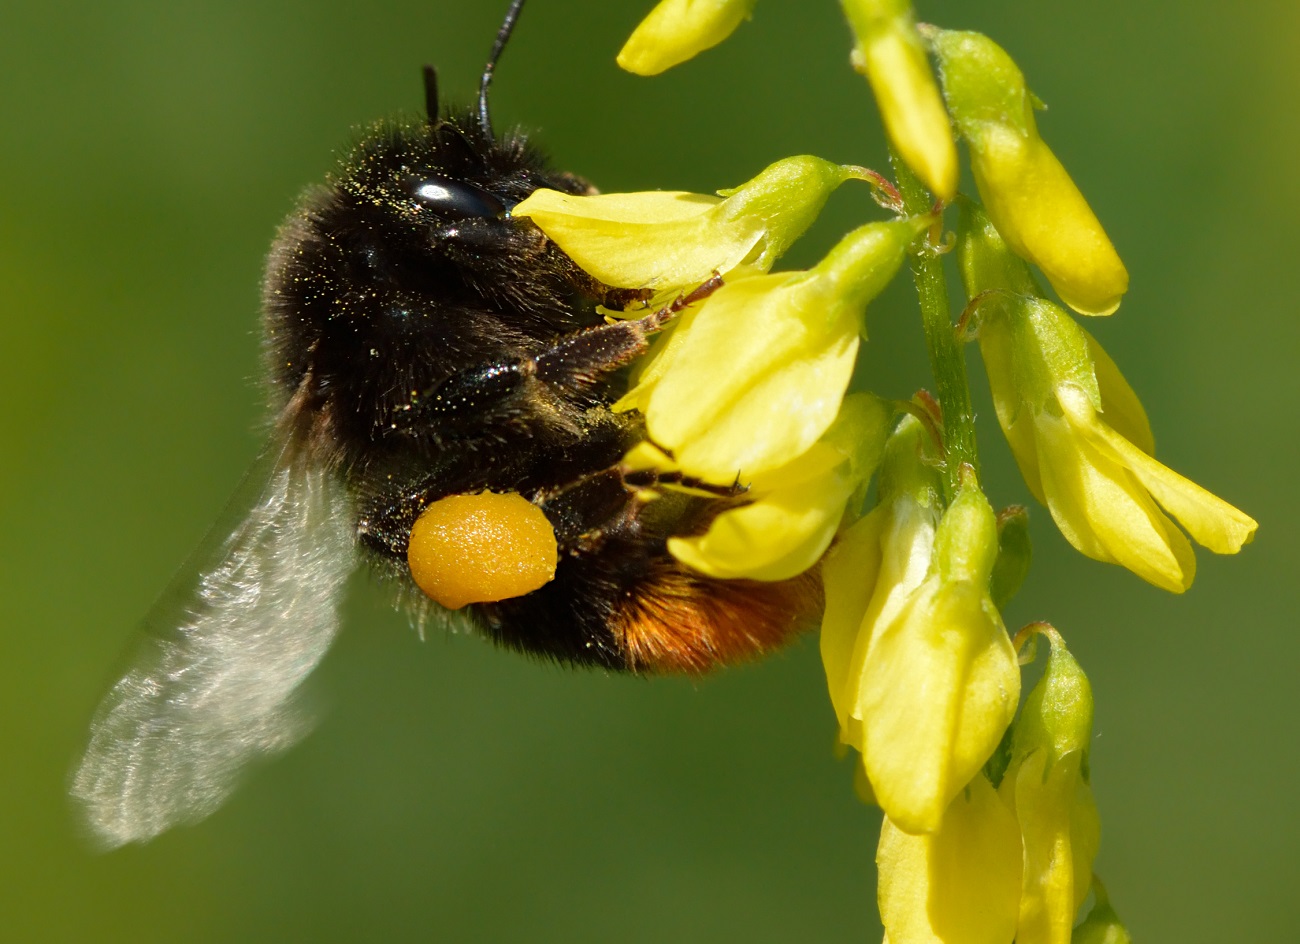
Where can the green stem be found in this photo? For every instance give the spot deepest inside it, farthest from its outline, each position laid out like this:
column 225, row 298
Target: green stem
column 947, row 360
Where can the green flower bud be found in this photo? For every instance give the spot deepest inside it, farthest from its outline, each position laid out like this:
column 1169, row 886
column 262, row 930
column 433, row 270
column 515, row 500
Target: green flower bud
column 1102, row 926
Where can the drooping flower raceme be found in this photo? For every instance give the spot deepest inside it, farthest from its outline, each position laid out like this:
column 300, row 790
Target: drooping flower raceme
column 1078, row 431
column 990, row 832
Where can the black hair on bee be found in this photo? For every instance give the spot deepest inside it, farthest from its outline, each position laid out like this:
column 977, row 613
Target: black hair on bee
column 421, row 343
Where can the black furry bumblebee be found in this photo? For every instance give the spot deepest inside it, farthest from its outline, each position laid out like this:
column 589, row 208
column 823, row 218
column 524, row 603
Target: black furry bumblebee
column 422, row 343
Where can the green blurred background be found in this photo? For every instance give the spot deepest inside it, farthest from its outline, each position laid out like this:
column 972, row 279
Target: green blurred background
column 455, row 792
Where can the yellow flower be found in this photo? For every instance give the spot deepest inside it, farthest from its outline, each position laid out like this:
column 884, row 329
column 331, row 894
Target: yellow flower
column 930, row 682
column 1029, row 196
column 667, row 239
column 1046, row 785
column 891, row 55
column 959, row 884
column 796, row 508
column 754, row 376
column 1079, row 433
column 678, row 30
column 1084, row 446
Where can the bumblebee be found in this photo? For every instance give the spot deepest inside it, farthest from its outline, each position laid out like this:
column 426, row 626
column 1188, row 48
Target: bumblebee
column 421, row 344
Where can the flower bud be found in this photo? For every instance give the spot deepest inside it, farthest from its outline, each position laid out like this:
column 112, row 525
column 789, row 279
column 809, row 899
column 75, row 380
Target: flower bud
column 891, row 55
column 665, row 239
column 1030, row 197
column 678, row 30
column 1102, row 926
column 789, row 342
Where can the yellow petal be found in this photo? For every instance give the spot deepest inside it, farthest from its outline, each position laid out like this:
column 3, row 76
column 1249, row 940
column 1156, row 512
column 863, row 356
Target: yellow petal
column 958, row 885
column 765, row 361
column 667, row 240
column 1209, row 519
column 1044, row 805
column 1104, row 511
column 1085, row 840
column 678, row 30
column 797, row 507
column 777, row 537
column 654, row 239
column 1121, row 409
column 757, row 384
column 939, row 689
column 849, row 575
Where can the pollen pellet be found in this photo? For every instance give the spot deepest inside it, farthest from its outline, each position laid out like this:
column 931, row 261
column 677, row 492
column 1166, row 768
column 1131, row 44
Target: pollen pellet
column 481, row 548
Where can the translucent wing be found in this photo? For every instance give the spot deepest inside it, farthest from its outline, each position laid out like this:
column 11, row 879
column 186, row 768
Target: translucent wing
column 211, row 686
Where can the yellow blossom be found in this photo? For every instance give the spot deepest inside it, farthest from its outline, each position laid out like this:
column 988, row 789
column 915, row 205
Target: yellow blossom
column 1103, row 488
column 755, row 375
column 930, row 682
column 1046, row 784
column 939, row 682
column 796, row 508
column 1079, row 433
column 891, row 55
column 959, row 884
column 668, row 239
column 1029, row 196
column 678, row 30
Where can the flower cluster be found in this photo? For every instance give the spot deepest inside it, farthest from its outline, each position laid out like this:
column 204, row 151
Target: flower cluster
column 789, row 342
column 990, row 829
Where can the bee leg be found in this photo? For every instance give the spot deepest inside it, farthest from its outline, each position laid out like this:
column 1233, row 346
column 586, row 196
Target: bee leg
column 650, row 478
column 581, row 359
column 484, row 392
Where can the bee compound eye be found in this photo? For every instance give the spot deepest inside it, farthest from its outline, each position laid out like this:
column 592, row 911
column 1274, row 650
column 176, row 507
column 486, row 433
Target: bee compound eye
column 481, row 548
column 456, row 199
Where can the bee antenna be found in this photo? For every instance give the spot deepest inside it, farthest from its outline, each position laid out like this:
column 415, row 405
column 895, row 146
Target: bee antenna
column 503, row 34
column 431, row 94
